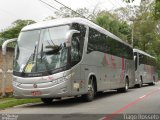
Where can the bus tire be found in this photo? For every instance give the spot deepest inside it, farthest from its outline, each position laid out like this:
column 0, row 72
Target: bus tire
column 47, row 100
column 125, row 88
column 153, row 83
column 91, row 91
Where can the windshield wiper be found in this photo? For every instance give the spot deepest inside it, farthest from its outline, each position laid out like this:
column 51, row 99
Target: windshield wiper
column 54, row 49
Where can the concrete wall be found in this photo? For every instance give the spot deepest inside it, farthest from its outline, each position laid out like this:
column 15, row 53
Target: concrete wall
column 8, row 85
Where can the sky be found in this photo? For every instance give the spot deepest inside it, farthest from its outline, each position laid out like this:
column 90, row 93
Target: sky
column 11, row 10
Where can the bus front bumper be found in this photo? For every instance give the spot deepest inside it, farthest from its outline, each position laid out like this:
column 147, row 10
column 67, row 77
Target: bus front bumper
column 42, row 90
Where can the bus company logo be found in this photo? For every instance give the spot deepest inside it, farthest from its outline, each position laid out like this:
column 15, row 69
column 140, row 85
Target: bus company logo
column 35, row 85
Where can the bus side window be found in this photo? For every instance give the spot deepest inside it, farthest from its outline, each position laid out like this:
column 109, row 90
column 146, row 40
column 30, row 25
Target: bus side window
column 75, row 49
column 140, row 59
column 82, row 29
column 135, row 60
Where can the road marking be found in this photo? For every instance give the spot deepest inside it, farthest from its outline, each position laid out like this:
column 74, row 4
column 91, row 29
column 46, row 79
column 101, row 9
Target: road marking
column 115, row 113
column 102, row 118
column 142, row 96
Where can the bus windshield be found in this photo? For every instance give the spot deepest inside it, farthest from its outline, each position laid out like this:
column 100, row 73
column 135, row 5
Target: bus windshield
column 41, row 50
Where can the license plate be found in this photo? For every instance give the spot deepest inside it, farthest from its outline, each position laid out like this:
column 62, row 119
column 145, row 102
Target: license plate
column 36, row 93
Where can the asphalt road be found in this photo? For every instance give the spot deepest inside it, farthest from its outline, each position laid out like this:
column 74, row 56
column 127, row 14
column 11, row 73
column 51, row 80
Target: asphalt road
column 109, row 105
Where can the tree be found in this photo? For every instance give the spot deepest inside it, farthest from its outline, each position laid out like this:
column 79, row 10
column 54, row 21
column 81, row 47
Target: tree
column 81, row 12
column 157, row 10
column 65, row 12
column 145, row 29
column 110, row 22
column 15, row 29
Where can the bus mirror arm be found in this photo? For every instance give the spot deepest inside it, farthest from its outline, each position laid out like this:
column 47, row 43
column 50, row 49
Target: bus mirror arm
column 4, row 45
column 69, row 37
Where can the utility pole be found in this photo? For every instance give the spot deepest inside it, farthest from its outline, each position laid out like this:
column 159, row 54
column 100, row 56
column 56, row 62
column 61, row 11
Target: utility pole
column 131, row 18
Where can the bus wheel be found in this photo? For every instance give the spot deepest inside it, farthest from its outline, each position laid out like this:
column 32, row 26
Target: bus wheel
column 153, row 83
column 47, row 100
column 126, row 87
column 91, row 91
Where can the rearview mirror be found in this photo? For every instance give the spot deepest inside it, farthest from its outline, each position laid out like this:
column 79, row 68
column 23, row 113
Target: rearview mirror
column 69, row 37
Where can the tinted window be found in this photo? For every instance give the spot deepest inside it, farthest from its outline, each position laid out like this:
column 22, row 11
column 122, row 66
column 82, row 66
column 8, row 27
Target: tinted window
column 135, row 60
column 77, row 43
column 81, row 36
column 100, row 42
column 143, row 59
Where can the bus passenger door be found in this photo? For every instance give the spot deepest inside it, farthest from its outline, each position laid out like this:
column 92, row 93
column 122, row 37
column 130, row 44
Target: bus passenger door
column 77, row 81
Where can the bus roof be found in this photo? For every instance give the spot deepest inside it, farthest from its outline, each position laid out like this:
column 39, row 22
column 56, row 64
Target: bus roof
column 64, row 21
column 142, row 52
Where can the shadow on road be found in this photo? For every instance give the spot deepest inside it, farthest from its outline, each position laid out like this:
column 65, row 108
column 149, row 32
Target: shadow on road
column 144, row 85
column 68, row 102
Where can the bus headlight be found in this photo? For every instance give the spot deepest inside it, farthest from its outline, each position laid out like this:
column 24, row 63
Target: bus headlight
column 61, row 80
column 68, row 77
column 58, row 81
column 16, row 83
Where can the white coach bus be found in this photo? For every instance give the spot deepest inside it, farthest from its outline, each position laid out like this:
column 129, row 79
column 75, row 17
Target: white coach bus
column 70, row 57
column 145, row 68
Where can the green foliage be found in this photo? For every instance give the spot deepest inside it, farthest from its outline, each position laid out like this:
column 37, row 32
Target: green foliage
column 146, row 35
column 10, row 102
column 157, row 10
column 65, row 12
column 14, row 30
column 81, row 12
column 110, row 22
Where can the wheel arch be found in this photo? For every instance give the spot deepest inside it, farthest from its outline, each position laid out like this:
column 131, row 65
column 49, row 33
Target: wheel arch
column 127, row 78
column 141, row 78
column 94, row 79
